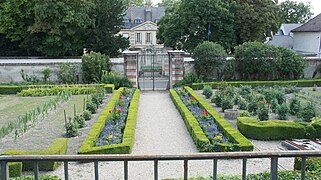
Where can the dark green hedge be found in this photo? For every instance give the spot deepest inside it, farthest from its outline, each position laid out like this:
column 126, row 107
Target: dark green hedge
column 240, row 143
column 14, row 89
column 277, row 129
column 58, row 147
column 298, row 83
column 88, row 145
column 312, row 164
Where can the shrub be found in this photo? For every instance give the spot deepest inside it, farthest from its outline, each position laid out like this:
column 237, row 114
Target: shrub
column 263, row 111
column 207, row 91
column 116, row 79
column 209, row 57
column 308, row 112
column 227, row 103
column 295, row 106
column 80, row 120
column 217, row 99
column 72, row 128
column 93, row 65
column 67, row 74
column 242, row 104
column 282, row 111
column 87, row 115
column 46, row 73
column 252, row 107
column 245, row 114
column 245, row 90
column 189, row 79
column 274, row 105
column 91, row 106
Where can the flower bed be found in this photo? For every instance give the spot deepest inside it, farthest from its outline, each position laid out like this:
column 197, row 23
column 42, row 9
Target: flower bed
column 209, row 130
column 100, row 131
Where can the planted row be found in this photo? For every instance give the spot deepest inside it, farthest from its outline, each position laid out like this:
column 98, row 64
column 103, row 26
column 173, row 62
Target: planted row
column 209, row 130
column 56, row 90
column 107, row 127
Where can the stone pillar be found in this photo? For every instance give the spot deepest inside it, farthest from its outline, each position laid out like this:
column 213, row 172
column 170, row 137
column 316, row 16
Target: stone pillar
column 176, row 63
column 130, row 66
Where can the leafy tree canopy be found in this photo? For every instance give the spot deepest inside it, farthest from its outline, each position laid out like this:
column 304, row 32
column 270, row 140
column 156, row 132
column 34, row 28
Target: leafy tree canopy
column 295, row 12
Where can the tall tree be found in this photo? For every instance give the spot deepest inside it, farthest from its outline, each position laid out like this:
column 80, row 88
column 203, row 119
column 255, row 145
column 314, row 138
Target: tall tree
column 254, row 20
column 139, row 3
column 190, row 22
column 108, row 15
column 295, row 12
column 166, row 3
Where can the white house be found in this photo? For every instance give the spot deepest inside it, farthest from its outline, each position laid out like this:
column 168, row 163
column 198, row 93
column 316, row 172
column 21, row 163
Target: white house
column 307, row 38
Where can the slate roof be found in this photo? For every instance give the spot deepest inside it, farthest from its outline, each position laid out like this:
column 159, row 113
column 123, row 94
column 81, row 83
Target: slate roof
column 140, row 13
column 313, row 25
column 287, row 28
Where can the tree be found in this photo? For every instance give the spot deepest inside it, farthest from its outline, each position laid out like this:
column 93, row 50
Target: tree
column 93, row 66
column 108, row 15
column 208, row 57
column 295, row 12
column 254, row 20
column 190, row 22
column 166, row 3
column 139, row 3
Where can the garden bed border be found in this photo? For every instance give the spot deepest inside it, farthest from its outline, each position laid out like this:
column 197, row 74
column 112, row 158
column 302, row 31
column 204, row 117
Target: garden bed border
column 88, row 145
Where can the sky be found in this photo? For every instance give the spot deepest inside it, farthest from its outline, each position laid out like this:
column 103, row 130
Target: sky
column 316, row 5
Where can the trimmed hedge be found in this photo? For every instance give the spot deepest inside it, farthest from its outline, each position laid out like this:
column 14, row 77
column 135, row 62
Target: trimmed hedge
column 14, row 89
column 312, row 164
column 239, row 142
column 299, row 83
column 277, row 129
column 58, row 147
column 88, row 145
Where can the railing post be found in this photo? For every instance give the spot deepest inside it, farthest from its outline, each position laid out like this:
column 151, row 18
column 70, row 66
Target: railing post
column 274, row 168
column 66, row 170
column 36, row 170
column 185, row 169
column 96, row 170
column 215, row 169
column 303, row 164
column 4, row 170
column 244, row 169
column 155, row 169
column 126, row 170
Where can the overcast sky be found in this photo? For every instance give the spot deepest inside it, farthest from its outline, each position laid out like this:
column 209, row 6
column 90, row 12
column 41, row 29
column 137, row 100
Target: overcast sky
column 316, row 5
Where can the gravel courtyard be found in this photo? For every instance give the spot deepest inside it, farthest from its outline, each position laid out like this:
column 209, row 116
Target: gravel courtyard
column 161, row 130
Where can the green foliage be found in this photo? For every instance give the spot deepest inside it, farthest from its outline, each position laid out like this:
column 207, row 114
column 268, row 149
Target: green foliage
column 207, row 91
column 258, row 61
column 189, row 79
column 56, row 91
column 72, row 128
column 208, row 57
column 67, row 73
column 295, row 12
column 187, row 23
column 91, row 106
column 116, row 79
column 245, row 114
column 41, row 177
column 46, row 75
column 295, row 106
column 217, row 99
column 312, row 165
column 282, row 111
column 270, row 130
column 29, row 78
column 242, row 104
column 93, row 65
column 263, row 111
column 252, row 107
column 307, row 112
column 227, row 103
column 87, row 115
column 274, row 105
column 80, row 120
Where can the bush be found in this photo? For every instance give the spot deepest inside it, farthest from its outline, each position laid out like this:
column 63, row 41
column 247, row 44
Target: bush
column 67, row 74
column 217, row 99
column 252, row 107
column 242, row 104
column 245, row 114
column 295, row 106
column 116, row 79
column 80, row 120
column 308, row 112
column 87, row 115
column 255, row 60
column 227, row 103
column 91, row 106
column 189, row 79
column 71, row 128
column 207, row 91
column 282, row 111
column 274, row 105
column 93, row 65
column 209, row 57
column 263, row 111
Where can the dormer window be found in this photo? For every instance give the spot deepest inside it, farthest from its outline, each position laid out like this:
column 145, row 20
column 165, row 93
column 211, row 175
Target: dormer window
column 138, row 20
column 126, row 20
column 157, row 20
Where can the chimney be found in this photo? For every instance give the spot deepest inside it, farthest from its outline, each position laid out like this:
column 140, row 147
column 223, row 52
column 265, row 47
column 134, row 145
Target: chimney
column 132, row 5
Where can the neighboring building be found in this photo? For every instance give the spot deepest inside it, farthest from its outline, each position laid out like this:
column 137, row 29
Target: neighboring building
column 284, row 36
column 285, row 29
column 307, row 38
column 140, row 26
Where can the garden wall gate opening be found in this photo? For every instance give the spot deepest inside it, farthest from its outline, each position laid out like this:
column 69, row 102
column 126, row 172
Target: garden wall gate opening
column 154, row 70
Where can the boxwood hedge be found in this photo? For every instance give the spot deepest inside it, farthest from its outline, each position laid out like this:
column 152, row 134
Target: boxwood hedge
column 88, row 145
column 239, row 142
column 58, row 147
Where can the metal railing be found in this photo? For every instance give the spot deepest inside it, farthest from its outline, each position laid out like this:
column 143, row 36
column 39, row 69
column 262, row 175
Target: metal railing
column 274, row 156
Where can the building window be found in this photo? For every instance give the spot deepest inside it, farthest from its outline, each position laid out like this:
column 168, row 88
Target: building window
column 138, row 38
column 138, row 20
column 126, row 35
column 148, row 38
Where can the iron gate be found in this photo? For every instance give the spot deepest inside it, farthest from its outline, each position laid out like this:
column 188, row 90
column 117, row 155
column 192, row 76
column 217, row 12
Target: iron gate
column 153, row 71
